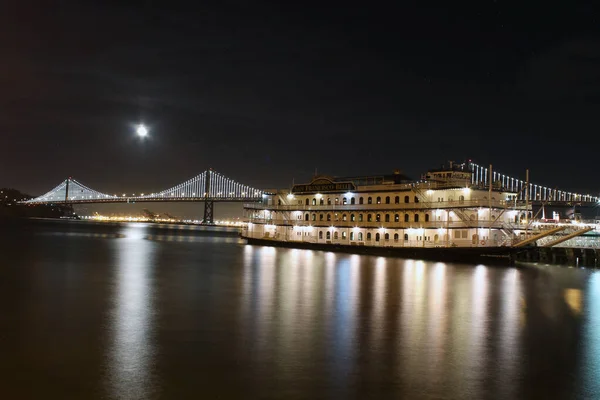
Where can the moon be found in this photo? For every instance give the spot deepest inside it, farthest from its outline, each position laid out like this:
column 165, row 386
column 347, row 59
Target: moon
column 141, row 131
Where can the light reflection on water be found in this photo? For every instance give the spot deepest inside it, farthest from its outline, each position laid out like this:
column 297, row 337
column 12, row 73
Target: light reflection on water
column 131, row 352
column 150, row 317
column 591, row 342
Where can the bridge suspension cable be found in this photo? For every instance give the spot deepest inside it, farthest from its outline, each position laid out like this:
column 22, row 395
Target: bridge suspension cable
column 71, row 190
column 480, row 176
column 219, row 187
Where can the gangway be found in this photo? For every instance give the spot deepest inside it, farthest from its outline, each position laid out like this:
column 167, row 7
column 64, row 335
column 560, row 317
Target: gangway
column 567, row 237
column 539, row 236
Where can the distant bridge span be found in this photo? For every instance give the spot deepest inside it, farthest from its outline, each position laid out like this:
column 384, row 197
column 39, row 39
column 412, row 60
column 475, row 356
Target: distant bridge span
column 211, row 186
column 208, row 187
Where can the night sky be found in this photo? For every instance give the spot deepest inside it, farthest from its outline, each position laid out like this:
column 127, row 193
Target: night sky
column 266, row 94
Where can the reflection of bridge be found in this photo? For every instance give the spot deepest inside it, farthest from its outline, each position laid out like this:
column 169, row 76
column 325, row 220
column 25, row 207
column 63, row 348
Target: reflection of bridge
column 208, row 187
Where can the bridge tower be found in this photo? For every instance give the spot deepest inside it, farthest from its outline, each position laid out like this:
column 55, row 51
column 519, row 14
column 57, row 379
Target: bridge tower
column 208, row 203
column 67, row 191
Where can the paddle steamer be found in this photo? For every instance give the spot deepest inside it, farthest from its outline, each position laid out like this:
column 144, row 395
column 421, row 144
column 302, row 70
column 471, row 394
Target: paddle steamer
column 445, row 215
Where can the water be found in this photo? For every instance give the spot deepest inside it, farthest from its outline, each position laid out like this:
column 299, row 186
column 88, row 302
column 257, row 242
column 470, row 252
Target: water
column 136, row 312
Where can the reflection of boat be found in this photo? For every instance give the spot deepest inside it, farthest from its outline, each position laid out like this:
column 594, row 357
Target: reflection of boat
column 442, row 216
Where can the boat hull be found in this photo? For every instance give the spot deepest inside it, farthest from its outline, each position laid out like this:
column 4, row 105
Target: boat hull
column 475, row 255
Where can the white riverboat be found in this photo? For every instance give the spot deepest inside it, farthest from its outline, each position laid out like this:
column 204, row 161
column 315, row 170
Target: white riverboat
column 445, row 215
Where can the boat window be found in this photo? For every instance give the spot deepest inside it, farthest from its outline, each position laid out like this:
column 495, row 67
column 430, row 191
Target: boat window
column 387, row 217
column 387, row 200
column 360, row 236
column 314, row 202
column 306, row 202
column 328, row 235
column 397, row 200
column 360, row 200
column 320, row 217
column 368, row 235
column 406, row 236
column 321, row 202
column 343, row 235
column 352, row 200
column 396, row 218
column 406, row 199
column 377, row 237
column 314, row 217
column 328, row 201
column 387, row 237
column 351, row 235
column 396, row 237
column 335, row 235
column 320, row 234
column 352, row 217
column 360, row 218
column 406, row 217
column 370, row 200
column 378, row 218
column 343, row 217
column 328, row 217
column 378, row 200
column 416, row 217
column 344, row 201
column 369, row 218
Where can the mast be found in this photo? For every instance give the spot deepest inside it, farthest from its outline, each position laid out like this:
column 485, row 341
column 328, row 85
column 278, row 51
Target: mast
column 490, row 204
column 527, row 202
column 527, row 195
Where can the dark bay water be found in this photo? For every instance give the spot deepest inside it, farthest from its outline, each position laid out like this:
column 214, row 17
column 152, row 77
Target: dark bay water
column 137, row 312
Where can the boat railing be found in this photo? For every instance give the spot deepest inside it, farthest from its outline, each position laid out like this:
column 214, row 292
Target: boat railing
column 422, row 205
column 442, row 225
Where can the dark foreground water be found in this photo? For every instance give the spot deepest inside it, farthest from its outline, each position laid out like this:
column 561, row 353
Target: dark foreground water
column 135, row 312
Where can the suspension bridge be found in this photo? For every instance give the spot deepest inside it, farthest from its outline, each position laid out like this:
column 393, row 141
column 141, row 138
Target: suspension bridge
column 208, row 187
